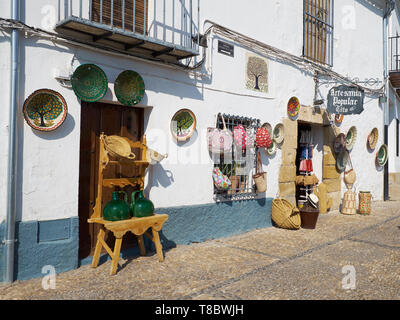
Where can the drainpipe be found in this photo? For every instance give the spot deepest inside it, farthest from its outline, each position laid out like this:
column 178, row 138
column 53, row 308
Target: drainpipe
column 389, row 6
column 9, row 241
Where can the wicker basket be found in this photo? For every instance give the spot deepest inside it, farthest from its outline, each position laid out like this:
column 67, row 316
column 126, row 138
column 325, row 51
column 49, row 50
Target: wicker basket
column 285, row 215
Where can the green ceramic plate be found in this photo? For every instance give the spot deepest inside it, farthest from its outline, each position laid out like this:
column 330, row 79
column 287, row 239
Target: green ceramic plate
column 45, row 110
column 341, row 160
column 382, row 155
column 129, row 88
column 89, row 82
column 183, row 124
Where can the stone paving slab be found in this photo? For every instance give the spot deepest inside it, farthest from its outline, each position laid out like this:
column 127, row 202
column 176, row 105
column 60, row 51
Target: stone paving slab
column 268, row 263
column 318, row 275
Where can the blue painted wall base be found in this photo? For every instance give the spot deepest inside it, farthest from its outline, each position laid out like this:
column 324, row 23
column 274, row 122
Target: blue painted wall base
column 56, row 242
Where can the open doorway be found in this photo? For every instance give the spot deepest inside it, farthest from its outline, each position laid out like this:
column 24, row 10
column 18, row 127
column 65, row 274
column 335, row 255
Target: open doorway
column 112, row 120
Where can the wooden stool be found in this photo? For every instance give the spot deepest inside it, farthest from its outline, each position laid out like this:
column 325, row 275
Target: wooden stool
column 137, row 226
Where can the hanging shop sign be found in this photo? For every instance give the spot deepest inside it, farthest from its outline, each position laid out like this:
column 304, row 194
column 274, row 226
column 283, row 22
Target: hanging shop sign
column 345, row 100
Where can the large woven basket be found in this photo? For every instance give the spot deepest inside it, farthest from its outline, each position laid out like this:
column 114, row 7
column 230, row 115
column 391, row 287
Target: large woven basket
column 285, row 215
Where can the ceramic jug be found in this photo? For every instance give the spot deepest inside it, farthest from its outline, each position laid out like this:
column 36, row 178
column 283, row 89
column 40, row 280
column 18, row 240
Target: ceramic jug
column 117, row 209
column 141, row 207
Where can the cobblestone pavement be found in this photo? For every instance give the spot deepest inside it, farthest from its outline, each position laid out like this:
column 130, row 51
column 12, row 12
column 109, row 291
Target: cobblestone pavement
column 266, row 263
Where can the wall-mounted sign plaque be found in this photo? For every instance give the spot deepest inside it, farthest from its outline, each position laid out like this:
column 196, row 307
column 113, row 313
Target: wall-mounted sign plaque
column 345, row 100
column 225, row 48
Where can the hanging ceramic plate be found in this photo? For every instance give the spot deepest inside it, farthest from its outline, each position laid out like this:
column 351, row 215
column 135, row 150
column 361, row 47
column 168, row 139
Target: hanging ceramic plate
column 267, row 126
column 279, row 133
column 340, row 143
column 293, row 107
column 45, row 110
column 183, row 124
column 373, row 138
column 272, row 149
column 129, row 88
column 382, row 155
column 341, row 160
column 351, row 137
column 89, row 82
column 339, row 118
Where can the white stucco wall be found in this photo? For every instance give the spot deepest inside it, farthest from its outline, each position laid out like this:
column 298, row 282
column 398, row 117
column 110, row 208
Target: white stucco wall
column 50, row 173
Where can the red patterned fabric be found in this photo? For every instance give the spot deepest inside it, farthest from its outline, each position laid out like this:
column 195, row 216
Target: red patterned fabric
column 263, row 139
column 240, row 136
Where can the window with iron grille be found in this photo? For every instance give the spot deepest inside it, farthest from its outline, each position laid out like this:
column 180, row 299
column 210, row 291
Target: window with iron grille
column 318, row 31
column 239, row 164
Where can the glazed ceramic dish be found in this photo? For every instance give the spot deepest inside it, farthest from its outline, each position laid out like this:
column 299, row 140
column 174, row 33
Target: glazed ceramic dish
column 293, row 107
column 129, row 88
column 268, row 127
column 339, row 143
column 341, row 160
column 278, row 133
column 382, row 155
column 45, row 110
column 339, row 118
column 183, row 124
column 89, row 82
column 272, row 149
column 351, row 138
column 373, row 138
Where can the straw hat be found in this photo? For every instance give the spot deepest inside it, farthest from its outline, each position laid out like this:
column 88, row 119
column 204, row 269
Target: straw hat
column 313, row 199
column 339, row 143
column 341, row 160
column 351, row 138
column 279, row 133
column 118, row 147
column 382, row 155
column 373, row 138
column 272, row 149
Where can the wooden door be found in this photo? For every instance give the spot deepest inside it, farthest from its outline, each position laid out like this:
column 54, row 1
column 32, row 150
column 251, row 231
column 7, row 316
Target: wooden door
column 112, row 120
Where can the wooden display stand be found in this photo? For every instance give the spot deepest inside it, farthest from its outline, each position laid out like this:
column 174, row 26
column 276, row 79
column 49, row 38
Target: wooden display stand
column 138, row 226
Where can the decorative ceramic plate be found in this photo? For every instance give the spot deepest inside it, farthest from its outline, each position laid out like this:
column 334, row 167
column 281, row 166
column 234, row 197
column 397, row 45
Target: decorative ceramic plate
column 341, row 160
column 382, row 155
column 339, row 118
column 340, row 143
column 272, row 149
column 45, row 110
column 278, row 134
column 293, row 107
column 183, row 124
column 129, row 88
column 268, row 127
column 351, row 138
column 89, row 82
column 373, row 138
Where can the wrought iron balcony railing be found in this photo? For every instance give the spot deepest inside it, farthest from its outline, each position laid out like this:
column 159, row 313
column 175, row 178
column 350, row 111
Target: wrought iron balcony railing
column 155, row 28
column 394, row 61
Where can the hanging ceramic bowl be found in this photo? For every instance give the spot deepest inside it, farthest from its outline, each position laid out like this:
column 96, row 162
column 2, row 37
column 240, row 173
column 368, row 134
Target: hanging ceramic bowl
column 339, row 118
column 89, row 82
column 278, row 133
column 183, row 124
column 341, row 160
column 129, row 88
column 351, row 137
column 373, row 138
column 267, row 126
column 382, row 155
column 293, row 107
column 272, row 149
column 339, row 143
column 45, row 110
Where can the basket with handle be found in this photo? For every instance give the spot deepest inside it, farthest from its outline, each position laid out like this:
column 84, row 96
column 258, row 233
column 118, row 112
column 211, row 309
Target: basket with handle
column 260, row 177
column 285, row 215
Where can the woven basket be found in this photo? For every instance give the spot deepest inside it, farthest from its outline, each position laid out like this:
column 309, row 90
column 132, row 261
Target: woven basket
column 285, row 215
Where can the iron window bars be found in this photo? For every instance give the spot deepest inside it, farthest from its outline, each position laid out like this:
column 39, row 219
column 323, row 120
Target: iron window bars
column 394, row 53
column 318, row 31
column 239, row 164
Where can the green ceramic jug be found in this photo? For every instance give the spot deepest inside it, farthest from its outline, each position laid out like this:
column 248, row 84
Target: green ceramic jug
column 117, row 209
column 141, row 207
